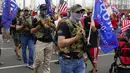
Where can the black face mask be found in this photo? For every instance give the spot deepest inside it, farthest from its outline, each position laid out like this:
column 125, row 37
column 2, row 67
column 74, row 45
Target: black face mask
column 43, row 13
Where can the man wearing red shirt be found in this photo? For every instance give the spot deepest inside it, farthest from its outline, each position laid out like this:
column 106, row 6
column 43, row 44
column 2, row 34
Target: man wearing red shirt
column 114, row 21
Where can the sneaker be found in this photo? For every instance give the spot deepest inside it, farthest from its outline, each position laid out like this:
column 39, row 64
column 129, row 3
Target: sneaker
column 8, row 41
column 19, row 58
column 25, row 65
column 31, row 67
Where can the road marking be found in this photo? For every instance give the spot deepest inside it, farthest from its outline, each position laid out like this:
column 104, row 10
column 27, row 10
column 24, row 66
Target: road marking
column 8, row 67
column 106, row 54
column 52, row 61
column 7, row 48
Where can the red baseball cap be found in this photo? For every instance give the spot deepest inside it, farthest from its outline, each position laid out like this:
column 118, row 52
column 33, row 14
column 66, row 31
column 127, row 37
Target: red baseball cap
column 63, row 13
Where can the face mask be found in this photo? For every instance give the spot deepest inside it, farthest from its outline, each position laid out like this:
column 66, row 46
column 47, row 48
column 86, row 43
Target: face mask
column 43, row 13
column 76, row 16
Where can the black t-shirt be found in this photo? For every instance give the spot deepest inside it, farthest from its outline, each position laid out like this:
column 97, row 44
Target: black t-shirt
column 94, row 35
column 14, row 22
column 64, row 30
column 47, row 37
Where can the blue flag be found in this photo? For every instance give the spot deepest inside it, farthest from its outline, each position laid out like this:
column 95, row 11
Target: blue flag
column 49, row 9
column 108, row 40
column 9, row 11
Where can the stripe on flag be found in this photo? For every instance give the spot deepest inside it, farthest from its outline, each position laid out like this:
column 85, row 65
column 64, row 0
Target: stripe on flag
column 125, row 25
column 63, row 7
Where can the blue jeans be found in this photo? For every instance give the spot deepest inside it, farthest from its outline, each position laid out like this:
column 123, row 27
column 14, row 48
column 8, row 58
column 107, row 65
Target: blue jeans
column 73, row 65
column 27, row 40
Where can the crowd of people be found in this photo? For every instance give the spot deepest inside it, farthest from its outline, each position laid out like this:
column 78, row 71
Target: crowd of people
column 66, row 32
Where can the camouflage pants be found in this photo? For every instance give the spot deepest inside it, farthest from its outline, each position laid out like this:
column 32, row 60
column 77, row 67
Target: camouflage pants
column 43, row 53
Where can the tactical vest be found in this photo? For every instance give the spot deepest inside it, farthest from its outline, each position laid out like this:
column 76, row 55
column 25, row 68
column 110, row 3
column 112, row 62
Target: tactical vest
column 43, row 32
column 27, row 22
column 73, row 28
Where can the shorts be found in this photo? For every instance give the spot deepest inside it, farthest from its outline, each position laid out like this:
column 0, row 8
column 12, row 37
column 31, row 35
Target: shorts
column 5, row 30
column 16, row 38
column 94, row 54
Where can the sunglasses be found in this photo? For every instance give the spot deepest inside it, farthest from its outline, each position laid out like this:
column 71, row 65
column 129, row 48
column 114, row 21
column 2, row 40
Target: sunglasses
column 26, row 10
column 78, row 11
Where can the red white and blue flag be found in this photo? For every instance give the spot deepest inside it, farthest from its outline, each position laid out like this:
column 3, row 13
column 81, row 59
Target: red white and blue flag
column 125, row 25
column 10, row 8
column 108, row 40
column 63, row 6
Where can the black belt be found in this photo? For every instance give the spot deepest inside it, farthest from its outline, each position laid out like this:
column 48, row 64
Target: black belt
column 71, row 55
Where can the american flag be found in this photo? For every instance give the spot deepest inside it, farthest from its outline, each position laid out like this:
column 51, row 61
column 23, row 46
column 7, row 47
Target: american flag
column 125, row 25
column 63, row 6
column 115, row 9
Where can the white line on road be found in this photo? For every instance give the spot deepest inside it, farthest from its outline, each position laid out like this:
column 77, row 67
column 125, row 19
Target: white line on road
column 7, row 48
column 106, row 54
column 9, row 67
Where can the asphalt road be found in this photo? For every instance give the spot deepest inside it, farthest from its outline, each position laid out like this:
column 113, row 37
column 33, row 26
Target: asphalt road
column 12, row 65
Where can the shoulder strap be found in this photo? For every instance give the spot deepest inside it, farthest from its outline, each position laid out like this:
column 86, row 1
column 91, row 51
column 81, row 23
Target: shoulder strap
column 25, row 20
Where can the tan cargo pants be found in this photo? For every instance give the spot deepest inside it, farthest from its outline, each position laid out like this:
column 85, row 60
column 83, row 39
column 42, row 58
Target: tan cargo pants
column 43, row 53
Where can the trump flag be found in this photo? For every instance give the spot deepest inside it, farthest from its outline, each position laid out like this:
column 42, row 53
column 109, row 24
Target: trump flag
column 9, row 11
column 108, row 40
column 49, row 9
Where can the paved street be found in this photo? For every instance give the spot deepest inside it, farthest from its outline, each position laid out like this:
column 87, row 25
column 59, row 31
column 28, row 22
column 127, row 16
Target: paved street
column 11, row 65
